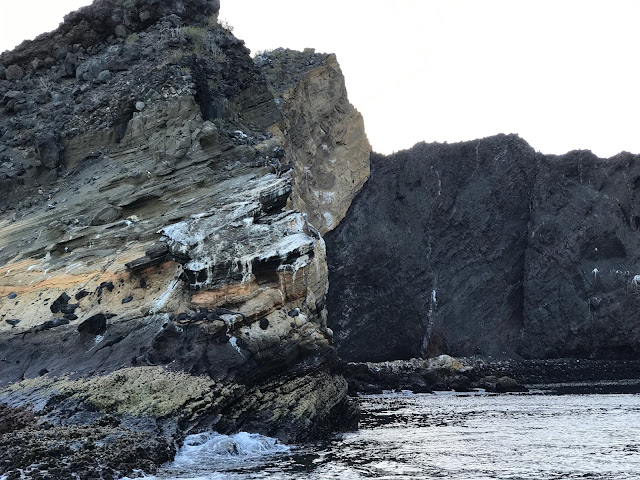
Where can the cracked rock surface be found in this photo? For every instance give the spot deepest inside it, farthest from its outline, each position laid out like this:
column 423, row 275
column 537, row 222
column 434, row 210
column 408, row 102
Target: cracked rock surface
column 489, row 248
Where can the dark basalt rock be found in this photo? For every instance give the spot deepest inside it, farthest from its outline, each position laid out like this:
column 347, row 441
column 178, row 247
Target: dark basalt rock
column 144, row 262
column 94, row 325
column 487, row 247
column 81, row 294
column 108, row 285
column 48, row 325
column 430, row 257
column 59, row 303
column 12, row 419
column 581, row 291
column 157, row 250
column 68, row 309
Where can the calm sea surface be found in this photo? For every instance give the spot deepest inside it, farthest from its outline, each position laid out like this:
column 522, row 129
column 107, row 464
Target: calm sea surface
column 448, row 436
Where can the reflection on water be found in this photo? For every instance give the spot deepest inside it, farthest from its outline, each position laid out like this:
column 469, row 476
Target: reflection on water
column 449, row 436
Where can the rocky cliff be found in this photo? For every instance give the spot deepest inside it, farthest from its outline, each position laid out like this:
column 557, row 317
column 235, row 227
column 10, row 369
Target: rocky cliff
column 323, row 133
column 489, row 248
column 153, row 279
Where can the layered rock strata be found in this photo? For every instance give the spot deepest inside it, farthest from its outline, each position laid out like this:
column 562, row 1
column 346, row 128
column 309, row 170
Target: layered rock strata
column 489, row 248
column 323, row 133
column 153, row 281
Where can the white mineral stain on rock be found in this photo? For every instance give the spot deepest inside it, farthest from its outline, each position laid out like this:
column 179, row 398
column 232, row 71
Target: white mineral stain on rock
column 234, row 343
column 162, row 300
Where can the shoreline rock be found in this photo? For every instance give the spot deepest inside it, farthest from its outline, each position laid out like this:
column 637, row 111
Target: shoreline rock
column 492, row 375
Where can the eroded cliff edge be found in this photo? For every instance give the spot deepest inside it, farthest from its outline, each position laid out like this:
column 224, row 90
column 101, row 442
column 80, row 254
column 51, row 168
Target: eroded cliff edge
column 489, row 248
column 153, row 279
column 323, row 133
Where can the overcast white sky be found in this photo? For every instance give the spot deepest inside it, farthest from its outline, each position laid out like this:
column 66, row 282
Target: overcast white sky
column 564, row 74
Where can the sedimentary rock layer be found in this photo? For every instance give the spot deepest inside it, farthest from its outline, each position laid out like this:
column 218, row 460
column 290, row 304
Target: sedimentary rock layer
column 323, row 133
column 152, row 275
column 487, row 247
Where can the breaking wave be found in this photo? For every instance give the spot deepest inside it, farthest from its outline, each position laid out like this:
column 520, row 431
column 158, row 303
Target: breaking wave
column 212, row 456
column 212, row 448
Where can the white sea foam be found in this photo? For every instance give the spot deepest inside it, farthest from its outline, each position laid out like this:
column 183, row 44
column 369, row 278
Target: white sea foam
column 212, row 456
column 214, row 446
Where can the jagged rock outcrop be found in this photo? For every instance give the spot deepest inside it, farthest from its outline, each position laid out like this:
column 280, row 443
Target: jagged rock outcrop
column 146, row 245
column 323, row 133
column 582, row 275
column 487, row 247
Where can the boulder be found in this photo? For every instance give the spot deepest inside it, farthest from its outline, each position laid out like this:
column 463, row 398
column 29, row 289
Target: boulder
column 14, row 72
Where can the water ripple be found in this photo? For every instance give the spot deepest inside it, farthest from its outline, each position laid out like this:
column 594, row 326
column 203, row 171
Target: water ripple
column 507, row 437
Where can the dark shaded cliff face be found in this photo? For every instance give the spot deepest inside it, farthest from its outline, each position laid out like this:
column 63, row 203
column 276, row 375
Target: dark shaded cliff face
column 486, row 247
column 582, row 289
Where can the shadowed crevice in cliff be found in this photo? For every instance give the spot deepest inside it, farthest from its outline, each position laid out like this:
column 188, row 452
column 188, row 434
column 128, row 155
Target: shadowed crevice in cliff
column 486, row 247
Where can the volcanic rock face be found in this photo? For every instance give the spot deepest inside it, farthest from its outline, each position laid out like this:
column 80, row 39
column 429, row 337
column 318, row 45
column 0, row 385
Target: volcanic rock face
column 146, row 246
column 486, row 247
column 324, row 135
column 582, row 264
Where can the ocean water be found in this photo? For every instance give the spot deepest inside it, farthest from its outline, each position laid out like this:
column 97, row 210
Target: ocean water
column 442, row 436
